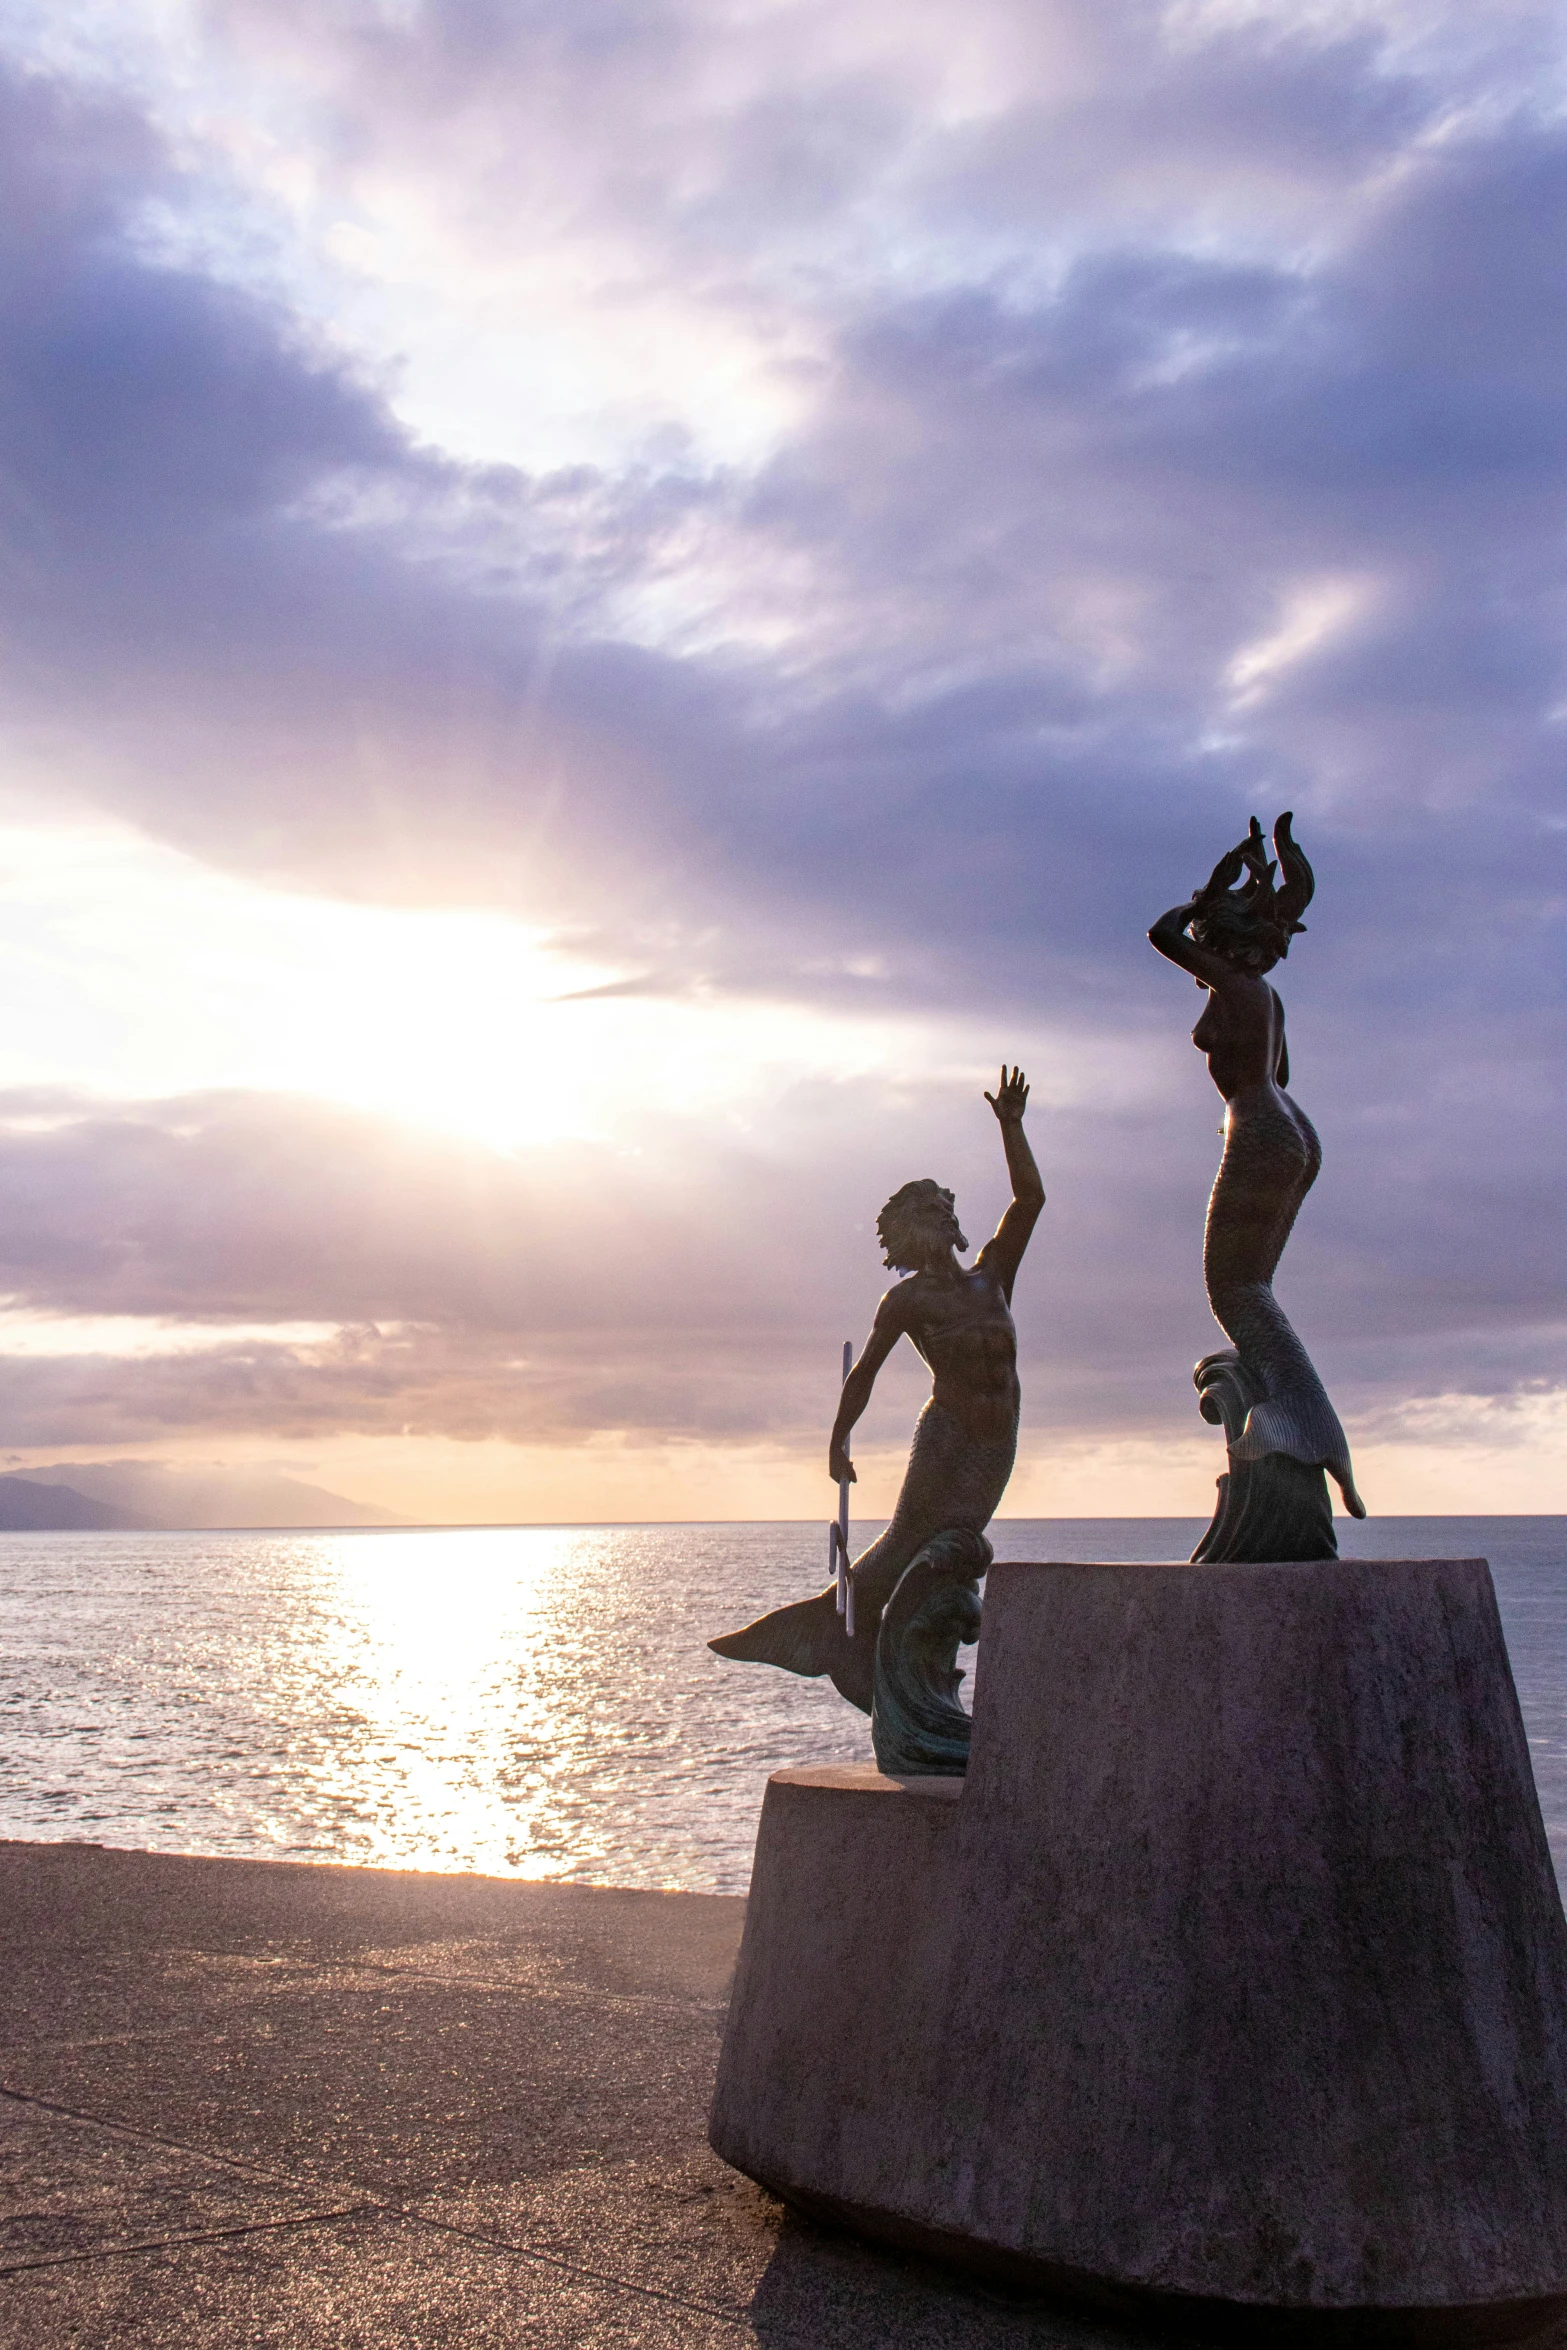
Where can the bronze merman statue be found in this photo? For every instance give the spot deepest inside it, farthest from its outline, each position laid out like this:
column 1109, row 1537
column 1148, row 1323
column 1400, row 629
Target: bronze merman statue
column 1280, row 1428
column 960, row 1319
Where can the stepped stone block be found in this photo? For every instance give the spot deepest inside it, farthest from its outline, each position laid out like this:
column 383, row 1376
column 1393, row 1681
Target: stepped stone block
column 1230, row 1985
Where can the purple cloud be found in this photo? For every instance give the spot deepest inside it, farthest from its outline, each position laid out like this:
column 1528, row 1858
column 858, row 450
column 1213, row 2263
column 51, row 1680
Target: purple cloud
column 1206, row 455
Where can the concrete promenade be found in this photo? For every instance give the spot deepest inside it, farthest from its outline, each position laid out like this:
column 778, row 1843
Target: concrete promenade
column 246, row 2104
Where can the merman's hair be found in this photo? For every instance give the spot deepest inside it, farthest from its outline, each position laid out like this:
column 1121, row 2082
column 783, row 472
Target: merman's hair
column 897, row 1227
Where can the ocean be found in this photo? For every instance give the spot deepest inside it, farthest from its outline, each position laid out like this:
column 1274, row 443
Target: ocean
column 523, row 1701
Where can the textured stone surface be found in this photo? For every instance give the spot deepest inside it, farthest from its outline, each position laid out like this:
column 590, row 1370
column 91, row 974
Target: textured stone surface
column 1237, row 1973
column 245, row 2104
column 70, row 2188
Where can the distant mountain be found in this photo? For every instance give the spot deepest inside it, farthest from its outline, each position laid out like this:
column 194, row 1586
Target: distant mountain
column 148, row 1494
column 29, row 1508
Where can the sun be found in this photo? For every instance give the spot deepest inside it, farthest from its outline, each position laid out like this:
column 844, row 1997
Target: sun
column 470, row 1022
column 134, row 972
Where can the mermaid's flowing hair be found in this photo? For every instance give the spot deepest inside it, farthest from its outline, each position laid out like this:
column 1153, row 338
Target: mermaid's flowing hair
column 1252, row 926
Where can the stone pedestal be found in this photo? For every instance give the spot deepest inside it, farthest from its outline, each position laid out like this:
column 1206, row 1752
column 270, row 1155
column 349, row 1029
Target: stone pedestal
column 1230, row 1985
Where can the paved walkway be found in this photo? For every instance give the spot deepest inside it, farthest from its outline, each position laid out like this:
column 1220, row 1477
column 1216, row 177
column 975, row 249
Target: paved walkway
column 246, row 2103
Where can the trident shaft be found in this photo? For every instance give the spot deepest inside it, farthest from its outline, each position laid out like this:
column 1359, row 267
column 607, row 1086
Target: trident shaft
column 838, row 1531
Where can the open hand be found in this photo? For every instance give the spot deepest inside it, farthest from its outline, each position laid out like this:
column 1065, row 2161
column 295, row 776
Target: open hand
column 1010, row 1098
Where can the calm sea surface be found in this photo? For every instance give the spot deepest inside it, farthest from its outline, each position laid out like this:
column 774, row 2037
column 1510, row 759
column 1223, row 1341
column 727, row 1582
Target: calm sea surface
column 533, row 1701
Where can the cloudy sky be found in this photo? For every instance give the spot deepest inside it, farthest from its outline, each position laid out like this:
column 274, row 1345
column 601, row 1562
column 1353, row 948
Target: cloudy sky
column 605, row 602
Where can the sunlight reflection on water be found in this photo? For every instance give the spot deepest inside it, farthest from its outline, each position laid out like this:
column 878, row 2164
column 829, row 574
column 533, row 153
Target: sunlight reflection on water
column 532, row 1701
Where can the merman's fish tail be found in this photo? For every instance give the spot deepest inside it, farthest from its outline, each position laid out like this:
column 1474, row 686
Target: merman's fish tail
column 808, row 1638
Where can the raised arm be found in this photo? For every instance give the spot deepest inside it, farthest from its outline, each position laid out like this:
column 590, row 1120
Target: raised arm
column 886, row 1330
column 1169, row 935
column 1003, row 1252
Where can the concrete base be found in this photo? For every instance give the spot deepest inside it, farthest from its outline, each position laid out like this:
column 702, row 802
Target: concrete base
column 1230, row 1985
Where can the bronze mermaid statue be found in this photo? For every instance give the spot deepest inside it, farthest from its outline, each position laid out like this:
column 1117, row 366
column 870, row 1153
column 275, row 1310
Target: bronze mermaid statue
column 1281, row 1431
column 959, row 1318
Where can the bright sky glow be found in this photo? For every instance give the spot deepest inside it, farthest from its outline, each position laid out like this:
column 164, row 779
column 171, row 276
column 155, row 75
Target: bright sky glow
column 26, row 1332
column 1313, row 614
column 137, row 971
column 513, row 311
column 531, row 335
column 133, row 971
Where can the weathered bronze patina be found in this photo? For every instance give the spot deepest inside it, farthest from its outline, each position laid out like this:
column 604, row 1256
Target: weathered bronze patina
column 959, row 1317
column 1280, row 1429
column 918, row 1727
